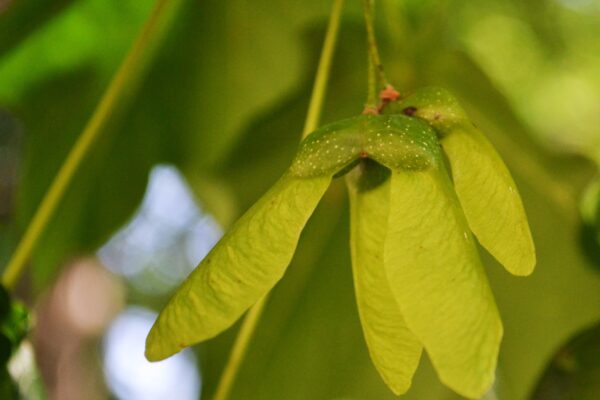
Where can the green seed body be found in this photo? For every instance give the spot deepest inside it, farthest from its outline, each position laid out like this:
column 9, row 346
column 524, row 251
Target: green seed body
column 435, row 105
column 395, row 141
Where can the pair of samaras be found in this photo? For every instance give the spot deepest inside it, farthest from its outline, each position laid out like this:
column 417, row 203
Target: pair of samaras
column 418, row 277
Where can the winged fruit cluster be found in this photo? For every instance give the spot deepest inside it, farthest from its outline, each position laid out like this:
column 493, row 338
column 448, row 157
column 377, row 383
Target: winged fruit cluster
column 421, row 179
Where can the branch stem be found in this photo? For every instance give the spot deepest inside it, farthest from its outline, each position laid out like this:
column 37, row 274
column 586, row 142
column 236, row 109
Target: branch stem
column 252, row 318
column 322, row 77
column 105, row 108
column 377, row 79
column 238, row 352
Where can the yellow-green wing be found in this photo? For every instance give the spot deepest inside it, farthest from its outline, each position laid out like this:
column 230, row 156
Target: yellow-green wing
column 437, row 278
column 490, row 199
column 245, row 264
column 486, row 190
column 394, row 349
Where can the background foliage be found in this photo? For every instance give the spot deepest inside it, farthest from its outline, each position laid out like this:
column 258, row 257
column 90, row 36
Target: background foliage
column 224, row 98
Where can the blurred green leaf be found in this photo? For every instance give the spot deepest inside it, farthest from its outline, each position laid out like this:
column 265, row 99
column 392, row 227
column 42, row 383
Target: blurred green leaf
column 590, row 221
column 54, row 100
column 5, row 349
column 4, row 302
column 102, row 195
column 14, row 326
column 574, row 372
column 8, row 389
column 90, row 33
column 19, row 18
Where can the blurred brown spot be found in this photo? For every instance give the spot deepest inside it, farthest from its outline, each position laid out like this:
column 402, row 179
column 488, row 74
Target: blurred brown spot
column 410, row 111
column 71, row 318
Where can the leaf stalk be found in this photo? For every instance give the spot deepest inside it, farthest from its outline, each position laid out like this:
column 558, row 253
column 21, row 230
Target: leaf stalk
column 376, row 74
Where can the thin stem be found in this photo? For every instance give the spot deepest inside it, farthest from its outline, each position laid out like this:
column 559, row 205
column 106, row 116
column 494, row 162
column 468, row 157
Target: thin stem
column 372, row 45
column 371, row 88
column 252, row 318
column 318, row 92
column 239, row 349
column 90, row 134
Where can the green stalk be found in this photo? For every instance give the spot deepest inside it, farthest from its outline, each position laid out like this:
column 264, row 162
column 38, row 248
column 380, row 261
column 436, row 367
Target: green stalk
column 238, row 352
column 376, row 72
column 106, row 107
column 319, row 88
column 371, row 88
column 251, row 319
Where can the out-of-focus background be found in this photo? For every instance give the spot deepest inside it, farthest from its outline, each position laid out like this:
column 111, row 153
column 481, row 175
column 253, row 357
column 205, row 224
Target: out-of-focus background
column 215, row 118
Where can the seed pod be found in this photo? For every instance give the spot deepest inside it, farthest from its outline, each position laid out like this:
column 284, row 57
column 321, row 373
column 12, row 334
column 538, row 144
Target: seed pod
column 396, row 141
